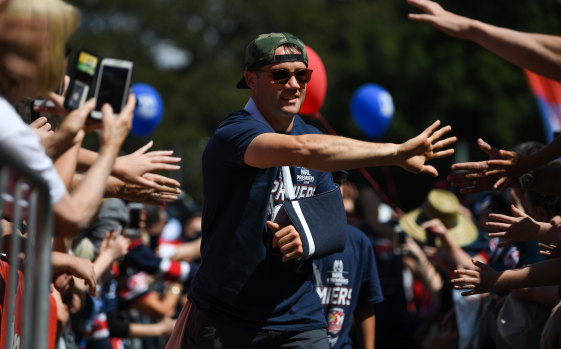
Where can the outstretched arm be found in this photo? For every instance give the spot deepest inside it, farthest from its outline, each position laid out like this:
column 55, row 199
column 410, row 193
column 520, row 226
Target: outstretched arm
column 537, row 52
column 331, row 153
column 167, row 189
column 485, row 279
column 521, row 227
column 132, row 167
column 499, row 172
column 74, row 211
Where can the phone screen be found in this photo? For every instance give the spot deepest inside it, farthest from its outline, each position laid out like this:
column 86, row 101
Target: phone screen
column 87, row 63
column 112, row 87
column 134, row 217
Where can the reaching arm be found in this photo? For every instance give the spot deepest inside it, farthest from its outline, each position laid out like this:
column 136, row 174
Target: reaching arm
column 501, row 170
column 521, row 227
column 167, row 189
column 331, row 153
column 132, row 167
column 537, row 52
column 75, row 211
column 485, row 279
column 66, row 164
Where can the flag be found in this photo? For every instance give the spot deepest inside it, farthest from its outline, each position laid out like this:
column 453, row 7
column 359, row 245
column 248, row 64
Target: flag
column 548, row 97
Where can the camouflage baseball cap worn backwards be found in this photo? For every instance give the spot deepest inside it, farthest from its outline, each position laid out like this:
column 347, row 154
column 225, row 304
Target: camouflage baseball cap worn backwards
column 261, row 52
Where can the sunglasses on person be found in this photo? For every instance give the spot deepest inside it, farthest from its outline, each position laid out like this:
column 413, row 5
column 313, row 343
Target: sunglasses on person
column 282, row 76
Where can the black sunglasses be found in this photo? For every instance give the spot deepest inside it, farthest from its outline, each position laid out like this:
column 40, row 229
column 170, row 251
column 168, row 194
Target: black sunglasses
column 282, row 76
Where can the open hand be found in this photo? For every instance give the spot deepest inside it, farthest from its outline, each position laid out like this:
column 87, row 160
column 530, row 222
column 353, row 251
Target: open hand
column 414, row 153
column 132, row 167
column 165, row 190
column 498, row 173
column 439, row 18
column 477, row 281
column 509, row 229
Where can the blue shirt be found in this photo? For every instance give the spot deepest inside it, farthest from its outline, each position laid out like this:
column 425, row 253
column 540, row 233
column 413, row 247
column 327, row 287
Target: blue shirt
column 346, row 280
column 240, row 282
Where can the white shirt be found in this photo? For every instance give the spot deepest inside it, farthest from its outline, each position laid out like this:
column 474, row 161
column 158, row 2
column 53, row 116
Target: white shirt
column 18, row 139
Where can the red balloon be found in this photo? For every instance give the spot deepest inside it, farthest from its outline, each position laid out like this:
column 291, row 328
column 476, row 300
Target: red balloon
column 315, row 91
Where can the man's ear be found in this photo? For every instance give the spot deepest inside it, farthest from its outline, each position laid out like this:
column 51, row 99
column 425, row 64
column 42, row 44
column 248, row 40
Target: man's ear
column 250, row 77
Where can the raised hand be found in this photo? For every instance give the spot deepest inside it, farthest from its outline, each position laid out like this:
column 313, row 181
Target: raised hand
column 414, row 153
column 132, row 167
column 509, row 229
column 165, row 190
column 115, row 128
column 439, row 18
column 114, row 245
column 499, row 172
column 477, row 281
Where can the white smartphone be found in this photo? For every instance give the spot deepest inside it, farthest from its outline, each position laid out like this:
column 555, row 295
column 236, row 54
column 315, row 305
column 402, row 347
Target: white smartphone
column 113, row 85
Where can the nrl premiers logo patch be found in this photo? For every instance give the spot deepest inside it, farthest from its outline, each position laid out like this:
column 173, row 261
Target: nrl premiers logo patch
column 335, row 320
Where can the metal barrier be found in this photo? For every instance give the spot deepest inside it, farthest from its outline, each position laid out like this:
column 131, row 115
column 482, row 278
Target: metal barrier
column 25, row 201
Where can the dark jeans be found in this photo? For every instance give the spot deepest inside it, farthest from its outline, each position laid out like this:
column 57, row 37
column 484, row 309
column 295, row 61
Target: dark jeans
column 200, row 333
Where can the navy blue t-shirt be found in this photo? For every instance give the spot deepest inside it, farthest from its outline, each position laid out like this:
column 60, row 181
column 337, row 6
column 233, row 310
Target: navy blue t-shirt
column 346, row 280
column 240, row 283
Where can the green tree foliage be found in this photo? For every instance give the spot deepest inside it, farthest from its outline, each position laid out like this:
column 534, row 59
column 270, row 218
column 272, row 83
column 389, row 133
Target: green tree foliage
column 430, row 76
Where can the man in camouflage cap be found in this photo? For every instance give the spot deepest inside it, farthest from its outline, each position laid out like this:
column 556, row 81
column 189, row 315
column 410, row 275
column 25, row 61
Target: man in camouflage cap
column 261, row 52
column 253, row 288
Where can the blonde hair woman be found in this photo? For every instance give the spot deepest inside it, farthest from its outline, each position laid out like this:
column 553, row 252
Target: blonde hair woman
column 61, row 19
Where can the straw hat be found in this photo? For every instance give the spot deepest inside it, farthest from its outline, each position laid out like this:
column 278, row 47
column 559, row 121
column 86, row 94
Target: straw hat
column 444, row 205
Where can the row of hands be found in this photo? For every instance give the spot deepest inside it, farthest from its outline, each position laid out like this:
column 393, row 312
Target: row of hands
column 137, row 169
column 509, row 229
column 481, row 278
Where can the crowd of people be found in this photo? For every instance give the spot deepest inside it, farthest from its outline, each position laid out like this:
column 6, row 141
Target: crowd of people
column 286, row 251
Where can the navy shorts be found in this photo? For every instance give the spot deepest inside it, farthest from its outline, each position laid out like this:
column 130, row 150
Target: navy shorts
column 200, row 333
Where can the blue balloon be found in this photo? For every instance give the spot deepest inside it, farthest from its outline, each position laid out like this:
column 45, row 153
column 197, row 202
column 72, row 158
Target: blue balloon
column 372, row 109
column 149, row 110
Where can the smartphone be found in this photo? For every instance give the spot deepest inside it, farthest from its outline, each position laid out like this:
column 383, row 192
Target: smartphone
column 134, row 215
column 83, row 72
column 112, row 85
